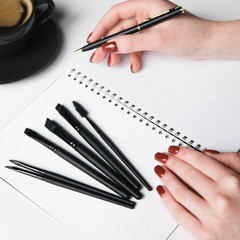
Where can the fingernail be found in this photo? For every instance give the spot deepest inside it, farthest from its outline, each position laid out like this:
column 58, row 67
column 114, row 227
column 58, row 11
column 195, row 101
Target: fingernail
column 173, row 149
column 159, row 171
column 91, row 58
column 161, row 157
column 109, row 61
column 132, row 68
column 160, row 190
column 109, row 47
column 89, row 37
column 211, row 151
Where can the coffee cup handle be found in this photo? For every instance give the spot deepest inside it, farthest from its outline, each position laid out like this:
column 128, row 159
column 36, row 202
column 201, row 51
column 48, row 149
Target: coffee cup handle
column 43, row 15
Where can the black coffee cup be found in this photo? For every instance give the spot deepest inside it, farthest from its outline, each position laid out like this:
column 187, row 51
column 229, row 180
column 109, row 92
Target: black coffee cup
column 34, row 13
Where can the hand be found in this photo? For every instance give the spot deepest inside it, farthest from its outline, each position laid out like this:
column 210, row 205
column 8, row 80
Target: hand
column 210, row 211
column 183, row 36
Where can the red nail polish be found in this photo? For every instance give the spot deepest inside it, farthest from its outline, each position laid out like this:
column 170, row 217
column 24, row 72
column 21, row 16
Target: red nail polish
column 132, row 68
column 211, row 151
column 160, row 190
column 109, row 47
column 161, row 157
column 89, row 37
column 159, row 171
column 173, row 149
column 109, row 61
column 92, row 57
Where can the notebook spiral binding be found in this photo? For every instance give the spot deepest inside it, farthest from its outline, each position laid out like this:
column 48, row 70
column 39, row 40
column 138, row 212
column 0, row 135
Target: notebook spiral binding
column 162, row 129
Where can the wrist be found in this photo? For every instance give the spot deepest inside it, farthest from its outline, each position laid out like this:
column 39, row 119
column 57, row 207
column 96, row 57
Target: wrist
column 222, row 41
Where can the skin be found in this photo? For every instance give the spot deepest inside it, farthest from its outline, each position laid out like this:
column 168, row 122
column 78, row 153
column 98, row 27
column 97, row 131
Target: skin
column 186, row 36
column 212, row 211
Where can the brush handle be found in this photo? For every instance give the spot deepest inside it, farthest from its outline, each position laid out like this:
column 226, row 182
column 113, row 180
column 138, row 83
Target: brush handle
column 92, row 172
column 94, row 159
column 109, row 157
column 90, row 191
column 119, row 153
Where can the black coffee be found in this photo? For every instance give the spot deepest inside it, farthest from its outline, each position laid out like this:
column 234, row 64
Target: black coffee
column 13, row 13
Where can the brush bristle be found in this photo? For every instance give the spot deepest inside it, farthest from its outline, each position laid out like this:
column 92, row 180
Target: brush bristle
column 59, row 108
column 10, row 167
column 14, row 161
column 80, row 109
column 50, row 125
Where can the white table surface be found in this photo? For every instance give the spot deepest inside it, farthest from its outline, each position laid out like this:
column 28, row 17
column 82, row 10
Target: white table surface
column 21, row 218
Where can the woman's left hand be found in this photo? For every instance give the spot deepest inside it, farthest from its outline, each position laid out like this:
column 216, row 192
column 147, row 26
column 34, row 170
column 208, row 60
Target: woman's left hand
column 202, row 191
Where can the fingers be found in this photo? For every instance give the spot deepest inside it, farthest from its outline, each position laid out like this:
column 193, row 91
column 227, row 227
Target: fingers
column 98, row 56
column 113, row 60
column 209, row 219
column 204, row 163
column 136, row 61
column 120, row 26
column 122, row 16
column 230, row 160
column 116, row 13
column 146, row 41
column 126, row 44
column 178, row 212
column 194, row 203
column 111, row 47
column 190, row 175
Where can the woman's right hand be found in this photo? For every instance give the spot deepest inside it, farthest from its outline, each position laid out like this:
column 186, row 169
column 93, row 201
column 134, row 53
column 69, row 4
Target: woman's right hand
column 184, row 36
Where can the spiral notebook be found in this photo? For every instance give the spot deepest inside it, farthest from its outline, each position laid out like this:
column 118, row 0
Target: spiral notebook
column 143, row 114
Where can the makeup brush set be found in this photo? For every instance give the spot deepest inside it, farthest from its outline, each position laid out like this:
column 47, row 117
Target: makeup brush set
column 110, row 168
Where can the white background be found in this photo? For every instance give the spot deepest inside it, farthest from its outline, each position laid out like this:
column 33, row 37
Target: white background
column 20, row 218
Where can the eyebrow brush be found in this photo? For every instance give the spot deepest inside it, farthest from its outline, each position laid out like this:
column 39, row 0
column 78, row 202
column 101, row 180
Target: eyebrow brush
column 83, row 113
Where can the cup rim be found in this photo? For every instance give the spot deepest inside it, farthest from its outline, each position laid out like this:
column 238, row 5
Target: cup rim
column 21, row 26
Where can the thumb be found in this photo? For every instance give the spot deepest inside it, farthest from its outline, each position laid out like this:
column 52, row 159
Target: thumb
column 130, row 43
